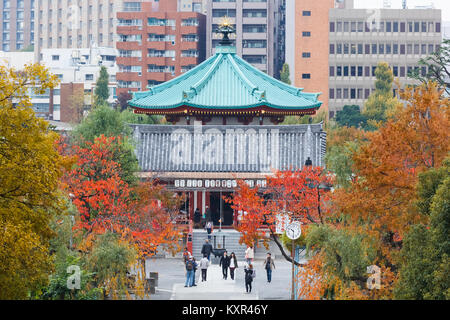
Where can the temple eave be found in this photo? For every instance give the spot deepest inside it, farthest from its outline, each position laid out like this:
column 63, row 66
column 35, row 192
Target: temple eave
column 256, row 111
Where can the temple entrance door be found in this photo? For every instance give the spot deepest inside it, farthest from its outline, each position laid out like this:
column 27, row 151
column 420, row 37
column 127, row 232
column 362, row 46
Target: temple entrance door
column 219, row 208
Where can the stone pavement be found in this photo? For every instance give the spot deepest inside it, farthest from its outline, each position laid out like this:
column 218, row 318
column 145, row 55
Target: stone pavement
column 172, row 276
column 215, row 288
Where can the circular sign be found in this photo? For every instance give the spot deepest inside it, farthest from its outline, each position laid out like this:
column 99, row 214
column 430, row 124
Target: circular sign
column 293, row 230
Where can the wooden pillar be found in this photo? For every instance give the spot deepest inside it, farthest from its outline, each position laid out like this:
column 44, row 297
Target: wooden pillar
column 191, row 205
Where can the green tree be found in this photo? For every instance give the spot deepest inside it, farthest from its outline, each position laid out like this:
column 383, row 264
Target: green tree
column 350, row 116
column 346, row 254
column 101, row 88
column 425, row 272
column 437, row 67
column 110, row 260
column 381, row 102
column 284, row 74
column 30, row 169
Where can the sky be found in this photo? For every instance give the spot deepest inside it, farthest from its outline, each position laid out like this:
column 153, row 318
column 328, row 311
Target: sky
column 444, row 5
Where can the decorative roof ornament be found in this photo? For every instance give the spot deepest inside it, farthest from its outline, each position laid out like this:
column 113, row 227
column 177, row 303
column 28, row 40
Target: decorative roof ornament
column 225, row 28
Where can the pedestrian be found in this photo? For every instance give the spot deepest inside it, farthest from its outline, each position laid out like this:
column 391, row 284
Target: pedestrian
column 233, row 264
column 269, row 265
column 208, row 214
column 249, row 254
column 197, row 218
column 186, row 255
column 204, row 264
column 207, row 249
column 189, row 271
column 208, row 227
column 225, row 263
column 249, row 275
column 195, row 269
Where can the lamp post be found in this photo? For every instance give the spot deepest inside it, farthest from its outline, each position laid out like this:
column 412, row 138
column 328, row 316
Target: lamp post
column 72, row 219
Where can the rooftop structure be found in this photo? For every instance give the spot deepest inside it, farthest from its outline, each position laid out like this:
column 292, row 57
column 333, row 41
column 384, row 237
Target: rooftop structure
column 224, row 111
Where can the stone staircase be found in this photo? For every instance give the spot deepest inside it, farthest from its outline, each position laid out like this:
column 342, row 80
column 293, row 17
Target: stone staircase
column 228, row 239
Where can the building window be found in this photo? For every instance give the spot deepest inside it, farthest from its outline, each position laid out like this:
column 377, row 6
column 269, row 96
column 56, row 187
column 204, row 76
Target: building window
column 306, row 34
column 306, row 75
column 254, row 13
column 306, row 13
column 306, row 54
column 339, row 71
column 89, row 77
column 395, row 27
column 331, row 93
column 132, row 6
column 331, row 26
column 331, row 48
column 254, row 28
column 331, row 71
column 438, row 27
column 388, row 26
column 218, row 13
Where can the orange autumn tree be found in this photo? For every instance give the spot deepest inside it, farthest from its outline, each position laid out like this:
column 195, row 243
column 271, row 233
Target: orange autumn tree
column 380, row 201
column 143, row 215
column 293, row 195
column 152, row 219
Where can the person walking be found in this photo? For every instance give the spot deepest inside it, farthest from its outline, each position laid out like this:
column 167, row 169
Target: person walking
column 269, row 265
column 208, row 227
column 197, row 218
column 225, row 263
column 195, row 269
column 207, row 249
column 249, row 254
column 189, row 272
column 233, row 264
column 204, row 264
column 249, row 275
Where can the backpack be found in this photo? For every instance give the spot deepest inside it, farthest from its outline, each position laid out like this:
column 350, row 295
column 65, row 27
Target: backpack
column 189, row 266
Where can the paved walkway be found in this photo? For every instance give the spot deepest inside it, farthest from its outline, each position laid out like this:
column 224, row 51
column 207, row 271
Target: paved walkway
column 215, row 288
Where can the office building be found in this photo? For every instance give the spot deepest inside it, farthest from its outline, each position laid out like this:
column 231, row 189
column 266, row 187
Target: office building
column 257, row 25
column 359, row 39
column 17, row 22
column 76, row 24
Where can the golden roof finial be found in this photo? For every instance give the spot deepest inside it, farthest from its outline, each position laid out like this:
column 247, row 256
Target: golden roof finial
column 225, row 28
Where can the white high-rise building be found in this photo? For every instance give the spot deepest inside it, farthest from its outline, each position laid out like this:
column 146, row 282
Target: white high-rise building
column 76, row 24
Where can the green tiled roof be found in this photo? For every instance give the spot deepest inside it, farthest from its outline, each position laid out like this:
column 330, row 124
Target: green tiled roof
column 225, row 81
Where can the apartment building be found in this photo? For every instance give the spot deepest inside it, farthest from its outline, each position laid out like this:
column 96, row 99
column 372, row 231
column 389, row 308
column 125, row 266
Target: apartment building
column 258, row 32
column 307, row 44
column 359, row 39
column 75, row 23
column 158, row 41
column 17, row 22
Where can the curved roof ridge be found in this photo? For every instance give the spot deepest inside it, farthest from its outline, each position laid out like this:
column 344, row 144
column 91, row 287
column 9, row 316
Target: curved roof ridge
column 239, row 72
column 278, row 83
column 201, row 83
column 172, row 82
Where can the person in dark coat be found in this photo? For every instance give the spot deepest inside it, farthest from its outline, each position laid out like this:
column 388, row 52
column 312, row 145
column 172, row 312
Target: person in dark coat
column 249, row 275
column 225, row 263
column 197, row 218
column 208, row 214
column 207, row 249
column 269, row 265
